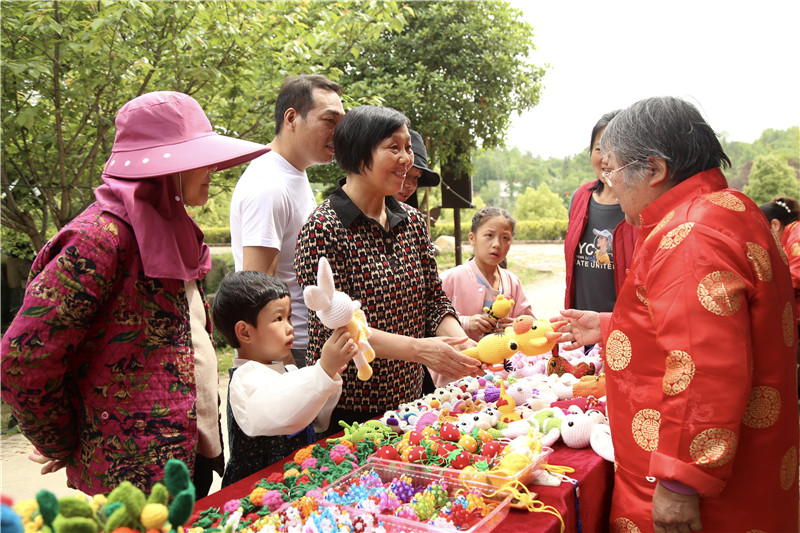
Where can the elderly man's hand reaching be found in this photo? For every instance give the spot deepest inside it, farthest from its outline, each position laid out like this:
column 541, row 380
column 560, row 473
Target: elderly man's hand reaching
column 582, row 328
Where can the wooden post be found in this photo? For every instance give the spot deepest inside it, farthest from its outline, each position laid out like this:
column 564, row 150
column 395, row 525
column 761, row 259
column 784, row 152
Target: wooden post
column 457, row 233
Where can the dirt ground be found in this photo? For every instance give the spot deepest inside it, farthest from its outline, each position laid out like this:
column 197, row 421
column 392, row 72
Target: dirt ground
column 20, row 478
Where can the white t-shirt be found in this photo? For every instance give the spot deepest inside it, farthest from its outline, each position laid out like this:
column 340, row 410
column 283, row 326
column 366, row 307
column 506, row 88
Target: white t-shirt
column 270, row 203
column 281, row 400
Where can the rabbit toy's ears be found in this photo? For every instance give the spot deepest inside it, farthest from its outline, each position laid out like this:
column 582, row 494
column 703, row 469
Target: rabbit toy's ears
column 319, row 297
column 325, row 277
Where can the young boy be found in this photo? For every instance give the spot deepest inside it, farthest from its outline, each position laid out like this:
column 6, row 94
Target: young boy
column 267, row 403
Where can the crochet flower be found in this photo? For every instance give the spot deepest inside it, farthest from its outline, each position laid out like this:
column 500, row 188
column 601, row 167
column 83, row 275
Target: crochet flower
column 311, row 462
column 275, row 477
column 303, row 453
column 272, row 500
column 231, row 506
column 257, row 496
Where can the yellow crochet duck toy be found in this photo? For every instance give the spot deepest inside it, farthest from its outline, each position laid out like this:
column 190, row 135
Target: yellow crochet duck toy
column 526, row 335
column 501, row 307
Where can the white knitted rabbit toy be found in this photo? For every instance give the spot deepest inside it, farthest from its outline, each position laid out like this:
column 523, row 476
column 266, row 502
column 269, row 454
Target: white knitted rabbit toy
column 335, row 309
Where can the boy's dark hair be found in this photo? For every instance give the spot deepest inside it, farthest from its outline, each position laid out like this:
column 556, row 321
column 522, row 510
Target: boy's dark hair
column 241, row 296
column 297, row 92
column 360, row 130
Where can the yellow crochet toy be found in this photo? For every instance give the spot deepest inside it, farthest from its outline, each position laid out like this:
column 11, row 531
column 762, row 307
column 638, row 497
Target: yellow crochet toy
column 501, row 307
column 493, row 348
column 534, row 337
column 335, row 309
column 525, row 334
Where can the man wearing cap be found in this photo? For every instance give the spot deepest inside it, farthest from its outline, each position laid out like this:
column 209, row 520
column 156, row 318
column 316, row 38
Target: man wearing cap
column 419, row 175
column 273, row 198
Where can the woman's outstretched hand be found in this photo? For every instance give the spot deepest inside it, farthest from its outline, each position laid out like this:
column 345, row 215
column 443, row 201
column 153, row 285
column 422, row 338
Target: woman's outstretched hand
column 442, row 355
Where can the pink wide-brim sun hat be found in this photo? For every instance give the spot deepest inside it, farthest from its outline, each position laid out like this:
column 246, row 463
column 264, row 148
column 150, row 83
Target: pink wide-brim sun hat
column 166, row 132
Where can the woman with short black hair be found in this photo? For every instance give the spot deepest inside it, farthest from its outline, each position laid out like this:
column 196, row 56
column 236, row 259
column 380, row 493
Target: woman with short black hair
column 381, row 254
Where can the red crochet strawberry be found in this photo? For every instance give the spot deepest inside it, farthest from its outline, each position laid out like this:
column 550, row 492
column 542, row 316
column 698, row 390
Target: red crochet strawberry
column 417, row 455
column 446, row 448
column 388, row 452
column 415, row 437
column 490, row 449
column 461, row 460
column 449, row 432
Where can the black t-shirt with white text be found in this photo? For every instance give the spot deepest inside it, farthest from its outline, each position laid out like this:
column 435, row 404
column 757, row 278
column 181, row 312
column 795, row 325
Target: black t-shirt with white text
column 594, row 265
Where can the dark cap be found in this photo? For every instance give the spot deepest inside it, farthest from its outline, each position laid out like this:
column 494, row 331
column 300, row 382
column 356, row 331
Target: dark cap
column 429, row 178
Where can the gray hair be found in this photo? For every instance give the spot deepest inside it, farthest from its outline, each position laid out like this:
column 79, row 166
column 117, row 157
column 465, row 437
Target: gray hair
column 665, row 128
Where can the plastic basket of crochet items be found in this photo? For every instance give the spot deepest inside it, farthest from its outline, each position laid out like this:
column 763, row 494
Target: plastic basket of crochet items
column 407, row 497
column 522, row 462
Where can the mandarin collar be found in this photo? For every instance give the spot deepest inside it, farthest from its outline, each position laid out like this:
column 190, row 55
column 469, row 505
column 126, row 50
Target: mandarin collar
column 705, row 182
column 348, row 212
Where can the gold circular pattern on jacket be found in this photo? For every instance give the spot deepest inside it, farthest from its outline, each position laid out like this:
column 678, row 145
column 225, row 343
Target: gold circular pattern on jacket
column 679, row 372
column 675, row 236
column 763, row 407
column 720, row 292
column 788, row 324
column 781, row 251
column 618, row 350
column 794, row 249
column 624, row 525
column 641, row 294
column 726, row 200
column 789, row 468
column 644, row 427
column 713, row 447
column 759, row 261
column 660, row 225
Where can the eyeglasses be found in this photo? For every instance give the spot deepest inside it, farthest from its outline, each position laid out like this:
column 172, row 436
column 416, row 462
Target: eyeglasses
column 607, row 175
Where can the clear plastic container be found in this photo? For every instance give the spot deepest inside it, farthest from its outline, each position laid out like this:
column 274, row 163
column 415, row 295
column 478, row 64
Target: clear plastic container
column 425, row 475
column 494, row 479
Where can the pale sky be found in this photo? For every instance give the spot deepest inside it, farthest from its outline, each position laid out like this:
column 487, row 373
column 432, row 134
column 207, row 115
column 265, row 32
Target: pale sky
column 738, row 62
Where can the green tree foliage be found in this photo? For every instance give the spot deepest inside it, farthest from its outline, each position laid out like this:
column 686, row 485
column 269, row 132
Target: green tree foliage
column 69, row 66
column 458, row 70
column 771, row 176
column 500, row 169
column 741, row 155
column 541, row 203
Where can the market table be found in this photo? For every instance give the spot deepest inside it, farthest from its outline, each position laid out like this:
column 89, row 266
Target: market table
column 584, row 507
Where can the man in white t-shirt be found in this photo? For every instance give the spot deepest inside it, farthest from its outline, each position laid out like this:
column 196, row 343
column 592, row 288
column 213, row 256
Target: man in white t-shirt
column 273, row 198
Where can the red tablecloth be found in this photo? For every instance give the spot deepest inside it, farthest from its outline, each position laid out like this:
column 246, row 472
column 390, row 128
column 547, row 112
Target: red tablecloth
column 583, row 510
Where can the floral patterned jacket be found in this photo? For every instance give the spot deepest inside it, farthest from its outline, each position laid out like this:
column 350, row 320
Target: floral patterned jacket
column 98, row 365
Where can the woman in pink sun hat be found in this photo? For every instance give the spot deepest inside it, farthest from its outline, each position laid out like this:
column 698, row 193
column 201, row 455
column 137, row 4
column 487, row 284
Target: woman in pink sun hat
column 109, row 366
